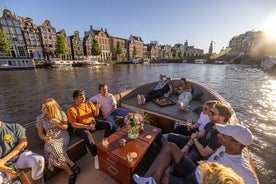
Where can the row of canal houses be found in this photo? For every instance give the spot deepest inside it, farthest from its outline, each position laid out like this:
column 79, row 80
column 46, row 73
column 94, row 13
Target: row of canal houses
column 29, row 40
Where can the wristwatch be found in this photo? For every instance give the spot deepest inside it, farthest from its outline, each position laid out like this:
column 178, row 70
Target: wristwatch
column 195, row 138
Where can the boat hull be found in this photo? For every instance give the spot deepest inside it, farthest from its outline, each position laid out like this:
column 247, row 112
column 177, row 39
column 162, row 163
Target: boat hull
column 16, row 63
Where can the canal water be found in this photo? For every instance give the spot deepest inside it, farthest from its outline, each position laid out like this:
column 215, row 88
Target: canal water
column 250, row 91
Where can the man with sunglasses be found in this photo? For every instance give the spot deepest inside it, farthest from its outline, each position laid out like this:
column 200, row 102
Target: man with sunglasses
column 233, row 139
column 202, row 144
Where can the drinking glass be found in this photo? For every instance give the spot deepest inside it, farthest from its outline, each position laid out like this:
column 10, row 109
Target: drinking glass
column 129, row 157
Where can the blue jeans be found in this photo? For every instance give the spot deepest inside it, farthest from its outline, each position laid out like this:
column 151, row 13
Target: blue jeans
column 117, row 112
column 185, row 97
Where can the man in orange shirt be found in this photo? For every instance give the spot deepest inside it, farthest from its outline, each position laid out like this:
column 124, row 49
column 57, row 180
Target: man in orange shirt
column 81, row 116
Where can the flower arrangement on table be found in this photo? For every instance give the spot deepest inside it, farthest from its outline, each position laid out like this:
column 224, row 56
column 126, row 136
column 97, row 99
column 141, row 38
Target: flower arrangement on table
column 135, row 121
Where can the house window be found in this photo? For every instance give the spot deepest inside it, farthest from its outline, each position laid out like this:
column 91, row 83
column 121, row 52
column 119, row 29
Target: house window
column 18, row 31
column 6, row 29
column 14, row 38
column 20, row 38
column 21, row 51
column 16, row 23
column 12, row 30
column 3, row 21
column 10, row 22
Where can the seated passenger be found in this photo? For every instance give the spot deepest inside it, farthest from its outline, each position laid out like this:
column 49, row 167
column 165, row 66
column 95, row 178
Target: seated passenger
column 81, row 116
column 155, row 93
column 170, row 92
column 161, row 83
column 184, row 92
column 53, row 122
column 12, row 152
column 233, row 138
column 201, row 122
column 109, row 105
column 202, row 144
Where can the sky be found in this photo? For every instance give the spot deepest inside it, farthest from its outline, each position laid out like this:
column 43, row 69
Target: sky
column 166, row 21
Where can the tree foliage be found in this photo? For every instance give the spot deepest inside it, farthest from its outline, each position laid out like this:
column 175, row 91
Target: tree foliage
column 174, row 54
column 134, row 53
column 5, row 45
column 180, row 54
column 96, row 50
column 119, row 49
column 61, row 47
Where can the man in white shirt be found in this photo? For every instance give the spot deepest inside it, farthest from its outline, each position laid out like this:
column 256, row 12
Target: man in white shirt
column 234, row 139
column 108, row 104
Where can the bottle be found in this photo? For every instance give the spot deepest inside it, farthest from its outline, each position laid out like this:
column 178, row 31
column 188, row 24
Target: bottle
column 176, row 124
column 15, row 168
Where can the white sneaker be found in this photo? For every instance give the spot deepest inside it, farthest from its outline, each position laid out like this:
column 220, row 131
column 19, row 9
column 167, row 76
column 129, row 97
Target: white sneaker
column 165, row 136
column 143, row 99
column 139, row 99
column 186, row 108
column 179, row 105
column 142, row 180
column 96, row 162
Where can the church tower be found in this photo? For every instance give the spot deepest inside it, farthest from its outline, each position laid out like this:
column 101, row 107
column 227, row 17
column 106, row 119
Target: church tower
column 211, row 47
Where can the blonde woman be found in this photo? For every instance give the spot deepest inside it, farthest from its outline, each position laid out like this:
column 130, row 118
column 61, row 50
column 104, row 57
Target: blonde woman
column 52, row 128
column 215, row 173
column 201, row 122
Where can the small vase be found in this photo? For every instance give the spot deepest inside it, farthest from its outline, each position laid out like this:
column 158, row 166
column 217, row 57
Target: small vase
column 133, row 132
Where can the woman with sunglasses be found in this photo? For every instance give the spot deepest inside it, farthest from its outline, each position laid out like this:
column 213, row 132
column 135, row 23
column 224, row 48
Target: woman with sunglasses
column 190, row 127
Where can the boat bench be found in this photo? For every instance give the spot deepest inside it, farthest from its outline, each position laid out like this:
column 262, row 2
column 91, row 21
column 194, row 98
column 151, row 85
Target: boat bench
column 75, row 150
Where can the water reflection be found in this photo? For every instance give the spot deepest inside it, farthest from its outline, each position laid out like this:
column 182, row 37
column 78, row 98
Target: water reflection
column 250, row 91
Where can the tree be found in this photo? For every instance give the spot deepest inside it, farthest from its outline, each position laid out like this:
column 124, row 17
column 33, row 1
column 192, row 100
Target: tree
column 119, row 49
column 180, row 54
column 61, row 47
column 134, row 53
column 5, row 45
column 174, row 54
column 96, row 50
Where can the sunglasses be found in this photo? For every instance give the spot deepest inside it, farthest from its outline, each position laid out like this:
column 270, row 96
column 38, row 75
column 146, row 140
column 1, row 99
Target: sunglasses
column 219, row 155
column 213, row 113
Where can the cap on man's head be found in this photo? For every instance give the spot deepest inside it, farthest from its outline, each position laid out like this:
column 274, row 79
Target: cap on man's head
column 239, row 132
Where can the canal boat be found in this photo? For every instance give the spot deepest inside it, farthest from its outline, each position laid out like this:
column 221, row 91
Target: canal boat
column 9, row 63
column 163, row 116
column 62, row 64
column 269, row 64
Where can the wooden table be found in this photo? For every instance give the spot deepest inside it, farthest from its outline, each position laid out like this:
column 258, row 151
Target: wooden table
column 113, row 157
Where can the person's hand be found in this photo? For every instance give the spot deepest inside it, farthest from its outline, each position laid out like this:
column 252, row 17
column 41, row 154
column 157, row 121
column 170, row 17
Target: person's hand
column 47, row 139
column 185, row 149
column 54, row 121
column 8, row 171
column 194, row 135
column 98, row 105
column 91, row 126
column 189, row 126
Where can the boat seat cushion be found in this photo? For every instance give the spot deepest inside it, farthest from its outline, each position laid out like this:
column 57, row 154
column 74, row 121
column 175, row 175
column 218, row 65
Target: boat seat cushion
column 197, row 93
column 197, row 110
